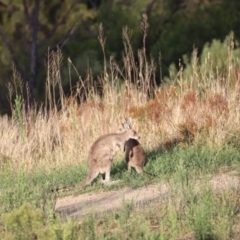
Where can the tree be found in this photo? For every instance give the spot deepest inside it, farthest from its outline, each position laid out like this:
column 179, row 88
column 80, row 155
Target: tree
column 29, row 27
column 176, row 27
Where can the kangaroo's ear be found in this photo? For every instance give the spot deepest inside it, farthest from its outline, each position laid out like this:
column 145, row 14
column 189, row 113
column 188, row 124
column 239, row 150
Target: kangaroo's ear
column 126, row 126
column 129, row 120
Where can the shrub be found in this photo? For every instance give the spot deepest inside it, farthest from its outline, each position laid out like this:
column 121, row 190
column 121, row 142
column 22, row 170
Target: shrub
column 29, row 223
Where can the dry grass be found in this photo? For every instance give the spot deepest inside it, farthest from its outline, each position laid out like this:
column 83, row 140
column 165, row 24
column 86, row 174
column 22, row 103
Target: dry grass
column 59, row 138
column 198, row 109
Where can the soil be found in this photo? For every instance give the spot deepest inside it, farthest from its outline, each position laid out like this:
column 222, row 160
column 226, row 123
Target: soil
column 98, row 203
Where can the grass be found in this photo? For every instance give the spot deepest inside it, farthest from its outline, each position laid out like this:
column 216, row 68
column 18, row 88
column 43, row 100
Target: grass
column 190, row 132
column 179, row 165
column 184, row 211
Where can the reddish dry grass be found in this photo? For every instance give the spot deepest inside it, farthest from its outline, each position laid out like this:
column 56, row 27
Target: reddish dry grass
column 198, row 109
column 171, row 117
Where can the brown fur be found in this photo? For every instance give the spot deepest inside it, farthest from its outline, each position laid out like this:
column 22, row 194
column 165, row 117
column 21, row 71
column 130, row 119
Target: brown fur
column 102, row 152
column 134, row 155
column 134, row 152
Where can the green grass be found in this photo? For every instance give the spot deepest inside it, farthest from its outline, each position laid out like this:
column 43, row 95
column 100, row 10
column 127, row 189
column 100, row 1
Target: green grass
column 203, row 214
column 177, row 163
column 195, row 116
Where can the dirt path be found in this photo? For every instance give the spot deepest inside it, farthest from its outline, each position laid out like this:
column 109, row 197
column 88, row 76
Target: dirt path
column 78, row 206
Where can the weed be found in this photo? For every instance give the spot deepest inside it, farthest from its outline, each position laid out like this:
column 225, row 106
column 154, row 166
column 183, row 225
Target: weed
column 88, row 229
column 18, row 115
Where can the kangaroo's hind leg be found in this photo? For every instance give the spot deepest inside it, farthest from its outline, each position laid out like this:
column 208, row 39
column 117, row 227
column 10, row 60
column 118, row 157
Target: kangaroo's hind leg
column 138, row 169
column 91, row 176
column 107, row 177
column 107, row 180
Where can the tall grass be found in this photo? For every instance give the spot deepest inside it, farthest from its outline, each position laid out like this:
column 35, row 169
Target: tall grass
column 189, row 126
column 194, row 108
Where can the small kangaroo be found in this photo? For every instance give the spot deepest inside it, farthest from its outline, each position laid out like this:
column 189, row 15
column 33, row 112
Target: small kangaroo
column 134, row 152
column 102, row 152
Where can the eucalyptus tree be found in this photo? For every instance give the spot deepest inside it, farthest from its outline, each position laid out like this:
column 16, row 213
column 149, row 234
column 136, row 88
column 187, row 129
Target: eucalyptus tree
column 28, row 28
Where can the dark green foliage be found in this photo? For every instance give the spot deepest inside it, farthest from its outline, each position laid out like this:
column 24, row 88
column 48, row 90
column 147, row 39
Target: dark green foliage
column 175, row 28
column 180, row 31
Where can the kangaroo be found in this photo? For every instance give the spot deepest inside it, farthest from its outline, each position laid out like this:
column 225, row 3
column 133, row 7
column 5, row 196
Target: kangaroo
column 102, row 152
column 134, row 152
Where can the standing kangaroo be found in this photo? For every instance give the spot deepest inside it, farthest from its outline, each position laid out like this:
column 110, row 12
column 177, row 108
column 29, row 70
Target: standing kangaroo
column 102, row 152
column 134, row 152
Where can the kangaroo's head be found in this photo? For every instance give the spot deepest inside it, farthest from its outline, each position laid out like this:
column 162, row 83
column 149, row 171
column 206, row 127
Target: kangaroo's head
column 126, row 126
column 133, row 134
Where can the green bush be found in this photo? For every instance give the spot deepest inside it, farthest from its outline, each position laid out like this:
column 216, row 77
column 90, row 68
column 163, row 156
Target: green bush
column 217, row 59
column 29, row 223
column 23, row 223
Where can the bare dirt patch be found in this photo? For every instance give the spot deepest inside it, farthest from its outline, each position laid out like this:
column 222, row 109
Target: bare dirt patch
column 97, row 203
column 76, row 207
column 224, row 181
